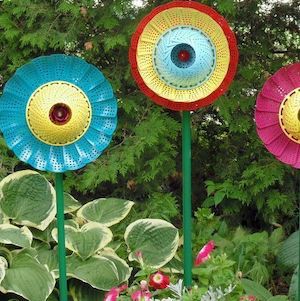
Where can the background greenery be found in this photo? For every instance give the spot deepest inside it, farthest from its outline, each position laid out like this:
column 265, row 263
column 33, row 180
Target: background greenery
column 233, row 174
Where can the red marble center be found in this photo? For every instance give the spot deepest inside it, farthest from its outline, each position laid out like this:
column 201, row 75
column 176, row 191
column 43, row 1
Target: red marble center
column 184, row 55
column 60, row 114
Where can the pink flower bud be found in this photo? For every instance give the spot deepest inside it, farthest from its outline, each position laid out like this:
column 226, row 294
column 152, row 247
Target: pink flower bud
column 144, row 285
column 204, row 253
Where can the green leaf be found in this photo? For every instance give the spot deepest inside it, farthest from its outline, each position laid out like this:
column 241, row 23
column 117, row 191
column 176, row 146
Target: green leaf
column 10, row 234
column 48, row 257
column 28, row 199
column 71, row 204
column 294, row 285
column 45, row 235
column 173, row 266
column 156, row 240
column 28, row 278
column 279, row 298
column 86, row 241
column 97, row 271
column 255, row 289
column 83, row 292
column 288, row 254
column 108, row 211
column 124, row 271
column 218, row 197
column 3, row 267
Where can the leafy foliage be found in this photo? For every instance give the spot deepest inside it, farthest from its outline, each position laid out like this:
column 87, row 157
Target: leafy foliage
column 29, row 257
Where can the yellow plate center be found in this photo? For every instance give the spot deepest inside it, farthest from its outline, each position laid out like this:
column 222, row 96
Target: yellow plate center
column 157, row 27
column 39, row 113
column 289, row 115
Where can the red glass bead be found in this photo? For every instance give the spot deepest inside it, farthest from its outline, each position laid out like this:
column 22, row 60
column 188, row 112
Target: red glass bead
column 184, row 55
column 60, row 114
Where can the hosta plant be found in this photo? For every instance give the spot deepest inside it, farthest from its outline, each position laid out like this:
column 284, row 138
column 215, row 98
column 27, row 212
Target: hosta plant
column 28, row 242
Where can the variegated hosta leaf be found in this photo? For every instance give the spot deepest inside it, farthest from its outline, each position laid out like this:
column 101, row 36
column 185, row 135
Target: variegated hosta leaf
column 13, row 235
column 97, row 271
column 28, row 278
column 46, row 235
column 28, row 199
column 154, row 240
column 3, row 267
column 174, row 266
column 47, row 256
column 3, row 218
column 294, row 289
column 124, row 271
column 288, row 253
column 53, row 297
column 86, row 241
column 105, row 211
column 83, row 292
column 71, row 204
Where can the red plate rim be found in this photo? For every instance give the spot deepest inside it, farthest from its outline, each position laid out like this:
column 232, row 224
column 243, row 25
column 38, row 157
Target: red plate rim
column 185, row 106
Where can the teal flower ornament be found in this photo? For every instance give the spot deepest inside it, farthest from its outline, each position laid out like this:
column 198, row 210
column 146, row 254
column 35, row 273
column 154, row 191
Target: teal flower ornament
column 58, row 113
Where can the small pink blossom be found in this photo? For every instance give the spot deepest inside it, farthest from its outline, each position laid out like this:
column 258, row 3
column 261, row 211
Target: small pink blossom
column 144, row 285
column 141, row 296
column 114, row 293
column 204, row 253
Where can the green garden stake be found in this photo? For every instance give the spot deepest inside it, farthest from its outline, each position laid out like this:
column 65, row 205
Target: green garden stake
column 186, row 198
column 63, row 289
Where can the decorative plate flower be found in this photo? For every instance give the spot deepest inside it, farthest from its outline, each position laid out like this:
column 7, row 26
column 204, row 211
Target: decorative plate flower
column 204, row 253
column 58, row 113
column 277, row 115
column 183, row 55
column 159, row 280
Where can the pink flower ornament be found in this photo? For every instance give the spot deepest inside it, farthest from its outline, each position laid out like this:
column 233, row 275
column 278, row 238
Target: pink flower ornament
column 277, row 115
column 204, row 253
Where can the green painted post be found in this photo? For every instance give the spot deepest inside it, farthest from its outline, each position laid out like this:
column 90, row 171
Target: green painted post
column 63, row 289
column 186, row 198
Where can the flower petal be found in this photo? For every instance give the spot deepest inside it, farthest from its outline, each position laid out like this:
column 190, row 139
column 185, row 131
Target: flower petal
column 266, row 119
column 293, row 73
column 266, row 104
column 272, row 91
column 282, row 80
column 278, row 146
column 270, row 133
column 290, row 154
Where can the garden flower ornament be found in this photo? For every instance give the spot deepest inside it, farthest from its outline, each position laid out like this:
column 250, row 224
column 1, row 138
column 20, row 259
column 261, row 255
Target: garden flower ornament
column 277, row 115
column 204, row 253
column 58, row 113
column 183, row 55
